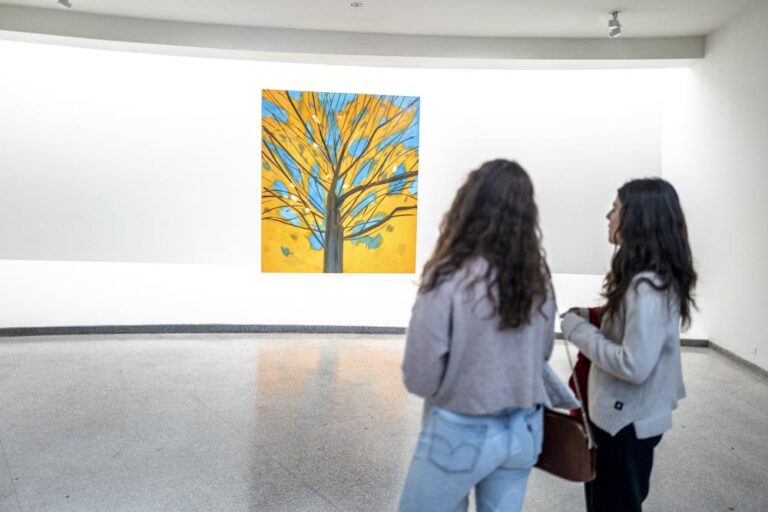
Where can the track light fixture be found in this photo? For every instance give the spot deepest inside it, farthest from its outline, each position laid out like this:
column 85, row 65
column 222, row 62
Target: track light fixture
column 65, row 3
column 614, row 25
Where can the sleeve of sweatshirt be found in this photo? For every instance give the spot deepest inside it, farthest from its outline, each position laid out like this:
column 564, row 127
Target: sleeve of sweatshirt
column 427, row 342
column 635, row 357
column 551, row 314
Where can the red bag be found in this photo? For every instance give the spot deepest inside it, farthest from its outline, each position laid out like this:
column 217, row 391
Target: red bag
column 581, row 368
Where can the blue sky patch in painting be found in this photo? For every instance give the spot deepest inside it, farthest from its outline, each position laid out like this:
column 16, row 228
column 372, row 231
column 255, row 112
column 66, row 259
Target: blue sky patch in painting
column 397, row 186
column 290, row 215
column 372, row 242
column 357, row 210
column 316, row 241
column 289, row 162
column 363, row 172
column 269, row 109
column 279, row 187
column 413, row 188
column 357, row 147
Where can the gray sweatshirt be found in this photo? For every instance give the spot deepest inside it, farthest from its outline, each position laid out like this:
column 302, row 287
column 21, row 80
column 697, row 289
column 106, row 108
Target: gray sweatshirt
column 636, row 374
column 457, row 358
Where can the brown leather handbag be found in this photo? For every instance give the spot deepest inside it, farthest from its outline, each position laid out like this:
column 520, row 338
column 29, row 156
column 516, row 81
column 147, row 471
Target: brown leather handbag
column 568, row 450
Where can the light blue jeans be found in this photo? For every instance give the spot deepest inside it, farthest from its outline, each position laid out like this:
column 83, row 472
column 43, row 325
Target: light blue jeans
column 456, row 452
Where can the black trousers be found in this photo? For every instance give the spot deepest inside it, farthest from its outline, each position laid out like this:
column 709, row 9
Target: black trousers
column 624, row 465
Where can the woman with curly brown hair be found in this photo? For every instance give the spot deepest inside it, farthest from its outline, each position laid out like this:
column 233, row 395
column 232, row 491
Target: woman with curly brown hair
column 636, row 379
column 481, row 331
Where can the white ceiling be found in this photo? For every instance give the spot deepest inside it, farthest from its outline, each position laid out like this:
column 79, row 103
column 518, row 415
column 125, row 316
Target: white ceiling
column 491, row 18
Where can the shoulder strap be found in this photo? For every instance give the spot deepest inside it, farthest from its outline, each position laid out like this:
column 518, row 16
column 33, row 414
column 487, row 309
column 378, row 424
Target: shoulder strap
column 584, row 416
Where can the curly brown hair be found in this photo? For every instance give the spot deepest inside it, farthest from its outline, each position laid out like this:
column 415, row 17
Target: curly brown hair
column 494, row 217
column 654, row 237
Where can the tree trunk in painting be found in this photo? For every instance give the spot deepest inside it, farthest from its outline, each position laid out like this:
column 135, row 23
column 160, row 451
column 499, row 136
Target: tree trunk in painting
column 333, row 258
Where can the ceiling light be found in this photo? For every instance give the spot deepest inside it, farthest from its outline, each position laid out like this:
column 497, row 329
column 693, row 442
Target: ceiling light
column 65, row 3
column 614, row 26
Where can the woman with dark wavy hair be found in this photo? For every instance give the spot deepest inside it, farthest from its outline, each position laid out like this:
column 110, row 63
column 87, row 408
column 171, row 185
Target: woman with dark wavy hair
column 481, row 331
column 635, row 379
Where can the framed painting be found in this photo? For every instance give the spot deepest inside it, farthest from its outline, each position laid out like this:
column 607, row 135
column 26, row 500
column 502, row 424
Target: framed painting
column 339, row 182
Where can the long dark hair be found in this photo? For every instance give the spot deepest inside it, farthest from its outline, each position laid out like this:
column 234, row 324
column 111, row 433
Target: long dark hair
column 653, row 237
column 494, row 217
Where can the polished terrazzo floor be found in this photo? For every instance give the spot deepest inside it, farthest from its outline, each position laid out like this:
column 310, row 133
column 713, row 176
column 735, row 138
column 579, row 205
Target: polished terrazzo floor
column 299, row 423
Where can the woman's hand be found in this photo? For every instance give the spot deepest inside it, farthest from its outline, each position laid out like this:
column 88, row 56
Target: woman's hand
column 582, row 312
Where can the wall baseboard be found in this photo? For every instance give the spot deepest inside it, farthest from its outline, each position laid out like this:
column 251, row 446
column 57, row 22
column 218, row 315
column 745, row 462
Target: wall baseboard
column 8, row 332
column 694, row 342
column 13, row 332
column 685, row 342
column 747, row 365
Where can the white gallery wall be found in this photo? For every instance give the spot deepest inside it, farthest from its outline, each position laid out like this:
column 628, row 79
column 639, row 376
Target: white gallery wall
column 129, row 182
column 716, row 154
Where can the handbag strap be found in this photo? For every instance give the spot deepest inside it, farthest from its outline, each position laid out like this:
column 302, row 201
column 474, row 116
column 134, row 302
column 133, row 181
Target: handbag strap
column 584, row 416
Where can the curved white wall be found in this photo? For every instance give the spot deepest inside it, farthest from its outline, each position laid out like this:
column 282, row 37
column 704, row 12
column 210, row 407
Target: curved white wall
column 150, row 165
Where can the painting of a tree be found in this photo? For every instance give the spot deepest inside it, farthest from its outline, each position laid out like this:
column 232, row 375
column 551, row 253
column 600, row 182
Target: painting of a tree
column 339, row 182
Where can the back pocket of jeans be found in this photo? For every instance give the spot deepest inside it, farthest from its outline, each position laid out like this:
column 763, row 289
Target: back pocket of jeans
column 455, row 447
